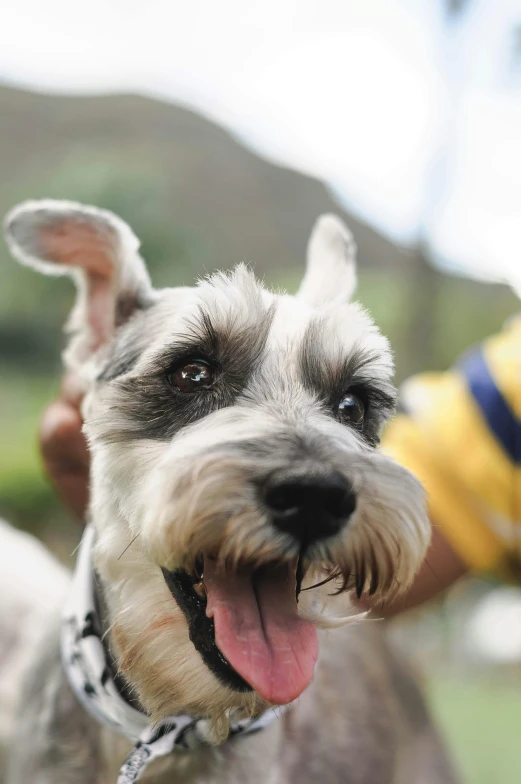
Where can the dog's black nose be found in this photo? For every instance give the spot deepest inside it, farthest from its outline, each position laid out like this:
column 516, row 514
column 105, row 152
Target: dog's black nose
column 309, row 506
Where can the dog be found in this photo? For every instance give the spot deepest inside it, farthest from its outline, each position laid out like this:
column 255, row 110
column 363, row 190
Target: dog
column 235, row 485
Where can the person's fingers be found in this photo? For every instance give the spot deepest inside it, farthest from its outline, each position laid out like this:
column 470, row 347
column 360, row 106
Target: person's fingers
column 64, row 451
column 72, row 390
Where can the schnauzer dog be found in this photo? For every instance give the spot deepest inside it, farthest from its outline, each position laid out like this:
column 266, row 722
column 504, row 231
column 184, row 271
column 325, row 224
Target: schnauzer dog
column 234, row 481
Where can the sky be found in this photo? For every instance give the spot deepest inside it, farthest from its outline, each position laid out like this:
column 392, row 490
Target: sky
column 412, row 119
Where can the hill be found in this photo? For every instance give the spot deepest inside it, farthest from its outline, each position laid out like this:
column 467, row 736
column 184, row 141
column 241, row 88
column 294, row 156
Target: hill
column 199, row 200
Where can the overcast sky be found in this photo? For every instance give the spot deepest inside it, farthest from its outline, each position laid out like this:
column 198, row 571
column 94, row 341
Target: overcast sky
column 413, row 121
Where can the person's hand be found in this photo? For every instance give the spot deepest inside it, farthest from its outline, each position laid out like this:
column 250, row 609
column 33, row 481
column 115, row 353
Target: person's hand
column 64, row 449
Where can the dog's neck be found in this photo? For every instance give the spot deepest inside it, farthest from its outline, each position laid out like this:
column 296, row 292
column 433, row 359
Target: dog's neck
column 103, row 616
column 91, row 669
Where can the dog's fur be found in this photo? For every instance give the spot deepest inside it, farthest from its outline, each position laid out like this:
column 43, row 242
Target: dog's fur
column 176, row 476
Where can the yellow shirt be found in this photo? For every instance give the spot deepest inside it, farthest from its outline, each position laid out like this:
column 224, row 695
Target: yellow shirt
column 461, row 435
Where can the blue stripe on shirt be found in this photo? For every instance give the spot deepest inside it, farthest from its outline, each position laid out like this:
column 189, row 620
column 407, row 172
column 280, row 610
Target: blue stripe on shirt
column 497, row 413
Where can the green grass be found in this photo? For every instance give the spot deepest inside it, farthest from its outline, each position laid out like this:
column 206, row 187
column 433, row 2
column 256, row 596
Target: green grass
column 25, row 495
column 481, row 722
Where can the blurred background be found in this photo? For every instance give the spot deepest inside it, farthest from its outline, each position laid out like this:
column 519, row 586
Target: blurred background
column 219, row 131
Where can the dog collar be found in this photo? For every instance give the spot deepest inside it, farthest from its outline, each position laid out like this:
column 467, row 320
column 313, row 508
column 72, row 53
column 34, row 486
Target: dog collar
column 91, row 679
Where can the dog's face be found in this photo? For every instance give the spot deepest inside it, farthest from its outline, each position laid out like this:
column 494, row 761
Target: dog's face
column 233, row 435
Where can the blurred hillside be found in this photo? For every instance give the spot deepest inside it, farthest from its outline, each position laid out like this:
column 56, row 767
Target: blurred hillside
column 199, row 200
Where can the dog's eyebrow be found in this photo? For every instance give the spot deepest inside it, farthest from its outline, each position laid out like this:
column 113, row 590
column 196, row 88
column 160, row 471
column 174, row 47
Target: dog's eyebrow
column 330, row 379
column 235, row 344
column 330, row 376
column 199, row 336
column 360, row 369
column 145, row 397
column 222, row 337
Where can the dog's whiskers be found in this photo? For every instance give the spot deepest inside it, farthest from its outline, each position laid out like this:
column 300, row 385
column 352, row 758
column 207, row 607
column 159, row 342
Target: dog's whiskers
column 108, row 630
column 127, row 547
column 322, row 582
column 428, row 565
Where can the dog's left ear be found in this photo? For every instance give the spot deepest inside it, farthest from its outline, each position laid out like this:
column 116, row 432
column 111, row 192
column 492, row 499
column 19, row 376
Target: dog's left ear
column 98, row 250
column 331, row 263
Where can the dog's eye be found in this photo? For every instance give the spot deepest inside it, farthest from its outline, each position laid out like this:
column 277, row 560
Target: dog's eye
column 352, row 409
column 194, row 376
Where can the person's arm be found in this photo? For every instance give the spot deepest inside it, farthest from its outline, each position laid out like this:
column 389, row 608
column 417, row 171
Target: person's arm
column 440, row 569
column 457, row 434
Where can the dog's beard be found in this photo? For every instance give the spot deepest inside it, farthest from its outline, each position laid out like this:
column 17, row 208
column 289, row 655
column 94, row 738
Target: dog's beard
column 250, row 567
column 211, row 508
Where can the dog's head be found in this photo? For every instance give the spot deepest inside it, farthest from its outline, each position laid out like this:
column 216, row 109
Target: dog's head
column 233, row 434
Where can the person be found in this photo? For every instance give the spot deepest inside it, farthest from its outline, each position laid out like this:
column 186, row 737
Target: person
column 458, row 431
column 64, row 449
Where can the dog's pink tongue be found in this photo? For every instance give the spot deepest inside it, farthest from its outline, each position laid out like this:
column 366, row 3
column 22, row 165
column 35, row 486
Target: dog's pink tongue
column 258, row 630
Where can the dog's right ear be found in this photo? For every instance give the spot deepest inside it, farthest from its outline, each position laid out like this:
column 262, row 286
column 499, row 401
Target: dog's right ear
column 98, row 250
column 331, row 264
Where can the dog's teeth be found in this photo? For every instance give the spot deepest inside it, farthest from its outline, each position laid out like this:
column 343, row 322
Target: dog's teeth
column 200, row 589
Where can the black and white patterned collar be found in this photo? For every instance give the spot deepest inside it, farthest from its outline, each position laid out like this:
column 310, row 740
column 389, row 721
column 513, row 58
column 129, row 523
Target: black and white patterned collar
column 91, row 678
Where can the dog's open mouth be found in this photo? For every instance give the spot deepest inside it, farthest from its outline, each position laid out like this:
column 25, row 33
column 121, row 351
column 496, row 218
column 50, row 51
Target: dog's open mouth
column 246, row 627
